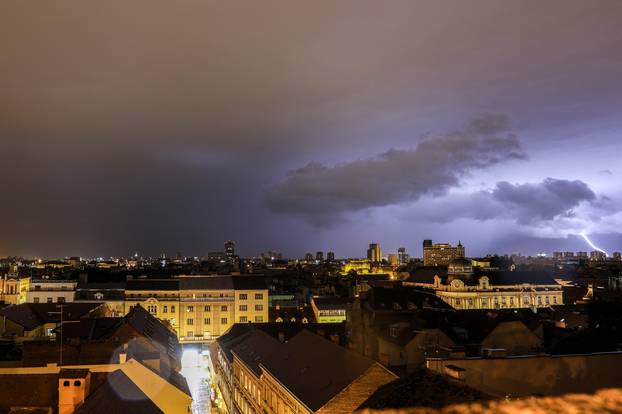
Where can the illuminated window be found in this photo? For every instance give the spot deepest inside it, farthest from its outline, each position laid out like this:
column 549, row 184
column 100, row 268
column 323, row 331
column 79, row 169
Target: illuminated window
column 190, row 308
column 258, row 296
column 243, row 296
column 190, row 321
column 207, row 321
column 223, row 308
column 243, row 308
column 258, row 307
column 165, row 309
column 223, row 321
column 243, row 319
column 172, row 308
column 258, row 318
column 207, row 308
column 555, row 299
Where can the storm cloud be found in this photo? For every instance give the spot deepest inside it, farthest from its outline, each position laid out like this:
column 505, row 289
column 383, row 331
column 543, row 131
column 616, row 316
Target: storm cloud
column 546, row 204
column 531, row 203
column 320, row 193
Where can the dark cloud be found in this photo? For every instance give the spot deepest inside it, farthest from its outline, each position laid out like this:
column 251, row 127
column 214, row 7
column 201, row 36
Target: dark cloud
column 527, row 204
column 531, row 203
column 320, row 193
column 153, row 125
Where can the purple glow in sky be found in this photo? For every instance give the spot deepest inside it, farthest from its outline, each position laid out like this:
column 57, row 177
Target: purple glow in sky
column 155, row 126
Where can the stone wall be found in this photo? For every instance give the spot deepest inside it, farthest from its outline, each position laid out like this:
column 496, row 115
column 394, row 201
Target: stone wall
column 603, row 401
column 544, row 375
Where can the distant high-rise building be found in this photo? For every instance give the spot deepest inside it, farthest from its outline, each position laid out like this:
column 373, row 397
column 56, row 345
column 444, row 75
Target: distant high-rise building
column 374, row 253
column 558, row 255
column 309, row 257
column 582, row 255
column 441, row 254
column 568, row 254
column 319, row 256
column 402, row 256
column 330, row 256
column 229, row 250
column 617, row 256
column 597, row 256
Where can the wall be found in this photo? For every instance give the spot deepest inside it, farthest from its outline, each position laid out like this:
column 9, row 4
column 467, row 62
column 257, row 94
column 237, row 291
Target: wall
column 520, row 376
column 604, row 401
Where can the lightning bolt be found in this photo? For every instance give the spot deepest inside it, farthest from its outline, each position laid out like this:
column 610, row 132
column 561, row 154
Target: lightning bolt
column 592, row 244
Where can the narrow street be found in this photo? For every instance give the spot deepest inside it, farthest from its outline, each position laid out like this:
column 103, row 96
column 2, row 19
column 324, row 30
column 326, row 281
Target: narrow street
column 195, row 369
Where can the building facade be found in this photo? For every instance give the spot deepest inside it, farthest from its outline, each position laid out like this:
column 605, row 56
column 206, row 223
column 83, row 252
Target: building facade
column 374, row 253
column 14, row 289
column 201, row 308
column 461, row 288
column 51, row 291
column 441, row 254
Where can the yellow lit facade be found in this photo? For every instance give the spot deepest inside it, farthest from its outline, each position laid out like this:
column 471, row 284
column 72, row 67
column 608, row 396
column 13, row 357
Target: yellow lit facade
column 201, row 308
column 13, row 289
column 483, row 295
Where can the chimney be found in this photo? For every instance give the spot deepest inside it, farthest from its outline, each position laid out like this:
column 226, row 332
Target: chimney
column 73, row 388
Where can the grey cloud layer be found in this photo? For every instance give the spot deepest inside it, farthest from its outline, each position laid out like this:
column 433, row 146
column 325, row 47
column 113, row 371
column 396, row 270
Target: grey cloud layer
column 527, row 204
column 320, row 193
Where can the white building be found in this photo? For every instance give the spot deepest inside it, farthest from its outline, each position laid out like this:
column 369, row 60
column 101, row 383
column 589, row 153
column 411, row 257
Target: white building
column 51, row 291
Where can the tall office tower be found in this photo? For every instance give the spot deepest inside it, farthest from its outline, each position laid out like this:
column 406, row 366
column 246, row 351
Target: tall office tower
column 374, row 253
column 229, row 251
column 441, row 254
column 557, row 255
column 309, row 257
column 582, row 255
column 617, row 256
column 402, row 256
column 330, row 256
column 319, row 256
column 597, row 256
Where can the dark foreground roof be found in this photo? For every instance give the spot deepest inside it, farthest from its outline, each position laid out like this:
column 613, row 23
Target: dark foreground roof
column 422, row 388
column 118, row 395
column 32, row 315
column 315, row 369
column 152, row 284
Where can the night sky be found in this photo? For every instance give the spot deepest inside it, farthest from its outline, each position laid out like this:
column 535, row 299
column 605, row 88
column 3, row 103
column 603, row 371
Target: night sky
column 155, row 126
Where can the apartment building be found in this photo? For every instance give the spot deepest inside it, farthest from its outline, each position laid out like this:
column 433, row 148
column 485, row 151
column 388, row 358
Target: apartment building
column 201, row 308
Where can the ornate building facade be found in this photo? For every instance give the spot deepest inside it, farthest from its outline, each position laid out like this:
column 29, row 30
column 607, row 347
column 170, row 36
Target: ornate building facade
column 462, row 288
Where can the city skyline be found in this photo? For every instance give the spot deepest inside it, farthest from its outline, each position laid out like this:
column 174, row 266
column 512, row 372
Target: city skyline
column 314, row 127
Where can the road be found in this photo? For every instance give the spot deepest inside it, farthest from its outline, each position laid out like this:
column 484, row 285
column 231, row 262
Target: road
column 194, row 366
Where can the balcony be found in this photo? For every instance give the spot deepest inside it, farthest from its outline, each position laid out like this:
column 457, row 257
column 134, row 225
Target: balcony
column 208, row 299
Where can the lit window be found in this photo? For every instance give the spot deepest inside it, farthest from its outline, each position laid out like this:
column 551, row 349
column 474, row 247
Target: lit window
column 190, row 321
column 165, row 309
column 190, row 308
column 258, row 318
column 243, row 308
column 223, row 321
column 258, row 307
column 243, row 296
column 172, row 308
column 223, row 308
column 207, row 308
column 207, row 321
column 243, row 319
column 258, row 296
